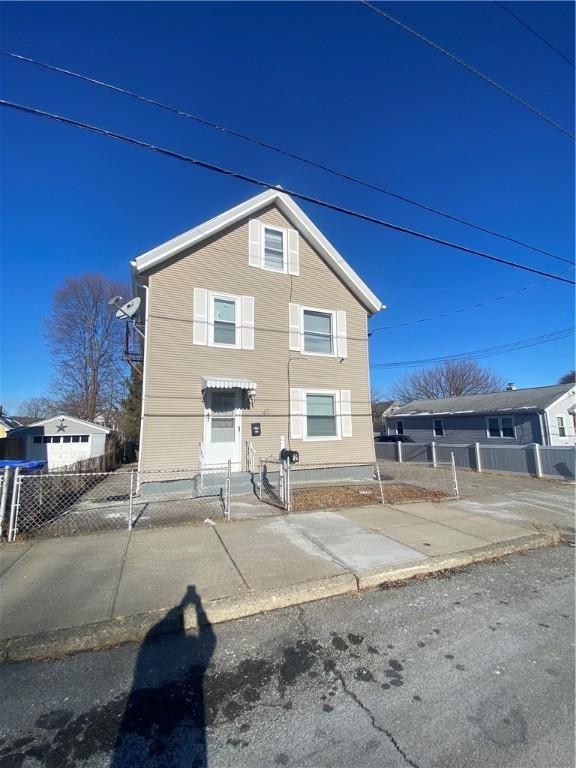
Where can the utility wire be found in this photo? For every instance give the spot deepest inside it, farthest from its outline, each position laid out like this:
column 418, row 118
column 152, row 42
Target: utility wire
column 467, row 308
column 279, row 150
column 478, row 354
column 267, row 185
column 536, row 34
column 469, row 67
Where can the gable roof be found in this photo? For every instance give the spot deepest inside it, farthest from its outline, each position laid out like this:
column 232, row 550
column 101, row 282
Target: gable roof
column 68, row 418
column 9, row 422
column 293, row 213
column 531, row 399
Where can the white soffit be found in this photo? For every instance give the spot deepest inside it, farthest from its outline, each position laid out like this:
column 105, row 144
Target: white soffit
column 294, row 213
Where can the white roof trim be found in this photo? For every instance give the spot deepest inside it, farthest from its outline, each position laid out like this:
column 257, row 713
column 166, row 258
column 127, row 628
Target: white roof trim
column 225, row 382
column 67, row 418
column 294, row 213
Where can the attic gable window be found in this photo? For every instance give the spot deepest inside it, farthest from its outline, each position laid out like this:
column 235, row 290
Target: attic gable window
column 274, row 251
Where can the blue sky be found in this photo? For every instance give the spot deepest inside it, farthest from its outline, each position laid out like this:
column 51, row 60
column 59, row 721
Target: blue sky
column 331, row 81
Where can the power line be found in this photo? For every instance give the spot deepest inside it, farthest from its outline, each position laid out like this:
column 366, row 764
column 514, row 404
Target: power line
column 478, row 354
column 469, row 67
column 467, row 308
column 266, row 185
column 354, row 179
column 536, row 34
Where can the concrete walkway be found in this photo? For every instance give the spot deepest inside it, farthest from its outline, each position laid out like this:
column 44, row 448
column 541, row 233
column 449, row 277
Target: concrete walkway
column 61, row 595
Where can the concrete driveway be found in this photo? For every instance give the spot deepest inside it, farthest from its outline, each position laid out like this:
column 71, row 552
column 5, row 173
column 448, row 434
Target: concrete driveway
column 517, row 499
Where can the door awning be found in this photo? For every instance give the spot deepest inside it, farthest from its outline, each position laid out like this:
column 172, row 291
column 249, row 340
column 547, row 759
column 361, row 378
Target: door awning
column 225, row 382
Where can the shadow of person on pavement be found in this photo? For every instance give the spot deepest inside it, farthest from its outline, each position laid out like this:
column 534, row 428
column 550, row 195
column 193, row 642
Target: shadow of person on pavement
column 164, row 722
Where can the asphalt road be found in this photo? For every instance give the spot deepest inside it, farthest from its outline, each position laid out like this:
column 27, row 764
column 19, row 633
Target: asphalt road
column 474, row 669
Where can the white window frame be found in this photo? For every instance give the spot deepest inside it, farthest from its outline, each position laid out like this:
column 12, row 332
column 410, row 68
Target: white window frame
column 500, row 428
column 212, row 296
column 284, row 232
column 335, row 393
column 332, row 314
column 434, row 433
column 399, row 421
column 561, row 426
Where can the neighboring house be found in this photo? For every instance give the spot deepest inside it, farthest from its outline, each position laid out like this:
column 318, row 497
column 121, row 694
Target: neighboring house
column 380, row 409
column 7, row 423
column 542, row 415
column 61, row 441
column 256, row 339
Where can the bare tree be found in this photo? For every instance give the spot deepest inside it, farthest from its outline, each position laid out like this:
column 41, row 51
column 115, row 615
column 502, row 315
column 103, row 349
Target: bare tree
column 451, row 379
column 86, row 341
column 38, row 408
column 568, row 378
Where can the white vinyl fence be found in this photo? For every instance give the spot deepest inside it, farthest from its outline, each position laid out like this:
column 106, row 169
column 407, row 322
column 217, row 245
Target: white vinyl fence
column 533, row 459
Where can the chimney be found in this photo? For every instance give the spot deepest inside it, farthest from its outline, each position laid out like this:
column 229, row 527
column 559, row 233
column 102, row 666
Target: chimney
column 510, row 387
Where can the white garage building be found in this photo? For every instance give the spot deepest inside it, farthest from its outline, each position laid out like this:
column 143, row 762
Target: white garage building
column 61, row 441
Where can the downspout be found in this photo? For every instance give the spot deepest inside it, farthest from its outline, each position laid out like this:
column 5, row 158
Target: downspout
column 145, row 360
column 544, row 428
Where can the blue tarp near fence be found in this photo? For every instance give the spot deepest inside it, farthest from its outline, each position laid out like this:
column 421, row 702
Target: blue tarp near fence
column 22, row 463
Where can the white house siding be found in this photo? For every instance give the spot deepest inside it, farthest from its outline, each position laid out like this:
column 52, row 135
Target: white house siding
column 563, row 407
column 173, row 407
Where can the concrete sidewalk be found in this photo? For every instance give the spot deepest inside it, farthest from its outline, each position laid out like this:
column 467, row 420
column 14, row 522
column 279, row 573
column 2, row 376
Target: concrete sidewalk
column 79, row 593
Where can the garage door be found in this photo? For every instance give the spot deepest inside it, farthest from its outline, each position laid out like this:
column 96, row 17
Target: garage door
column 60, row 451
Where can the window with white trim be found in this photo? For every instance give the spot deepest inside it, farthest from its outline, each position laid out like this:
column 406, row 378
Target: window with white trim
column 438, row 428
column 561, row 426
column 399, row 427
column 318, row 332
column 224, row 321
column 274, row 249
column 500, row 426
column 321, row 415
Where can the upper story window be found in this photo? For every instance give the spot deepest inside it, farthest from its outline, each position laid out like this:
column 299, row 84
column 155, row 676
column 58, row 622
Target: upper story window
column 318, row 334
column 274, row 249
column 438, row 428
column 224, row 311
column 500, row 426
column 223, row 320
column 399, row 427
column 561, row 426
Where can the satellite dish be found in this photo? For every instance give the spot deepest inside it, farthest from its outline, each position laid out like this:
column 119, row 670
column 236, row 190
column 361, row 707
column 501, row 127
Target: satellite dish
column 130, row 308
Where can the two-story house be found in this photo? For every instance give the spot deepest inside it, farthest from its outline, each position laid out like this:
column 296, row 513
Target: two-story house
column 255, row 339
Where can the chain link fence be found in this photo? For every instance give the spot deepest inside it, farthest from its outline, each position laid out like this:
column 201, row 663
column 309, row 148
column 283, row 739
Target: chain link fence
column 68, row 504
column 418, row 481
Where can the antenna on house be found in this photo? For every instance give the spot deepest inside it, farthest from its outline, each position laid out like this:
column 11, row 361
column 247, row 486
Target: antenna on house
column 132, row 353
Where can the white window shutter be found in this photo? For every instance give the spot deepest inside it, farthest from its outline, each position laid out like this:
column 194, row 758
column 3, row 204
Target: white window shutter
column 294, row 332
column 296, row 416
column 341, row 335
column 346, row 412
column 200, row 324
column 293, row 252
column 254, row 243
column 247, row 322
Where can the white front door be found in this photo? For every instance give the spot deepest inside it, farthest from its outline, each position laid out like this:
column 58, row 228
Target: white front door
column 223, row 428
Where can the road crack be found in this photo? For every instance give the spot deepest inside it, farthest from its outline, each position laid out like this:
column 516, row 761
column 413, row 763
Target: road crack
column 389, row 735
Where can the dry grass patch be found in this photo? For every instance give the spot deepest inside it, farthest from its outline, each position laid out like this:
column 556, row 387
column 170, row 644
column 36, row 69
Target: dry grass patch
column 338, row 497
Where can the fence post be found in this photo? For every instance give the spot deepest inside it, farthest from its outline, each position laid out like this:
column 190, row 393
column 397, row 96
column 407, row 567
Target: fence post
column 288, row 503
column 131, row 500
column 260, row 479
column 379, row 481
column 537, row 459
column 433, row 450
column 228, row 490
column 5, row 481
column 454, row 475
column 14, row 505
column 399, row 451
column 478, row 457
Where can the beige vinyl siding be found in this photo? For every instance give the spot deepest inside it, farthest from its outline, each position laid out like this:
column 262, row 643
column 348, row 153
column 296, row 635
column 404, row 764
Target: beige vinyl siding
column 173, row 405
